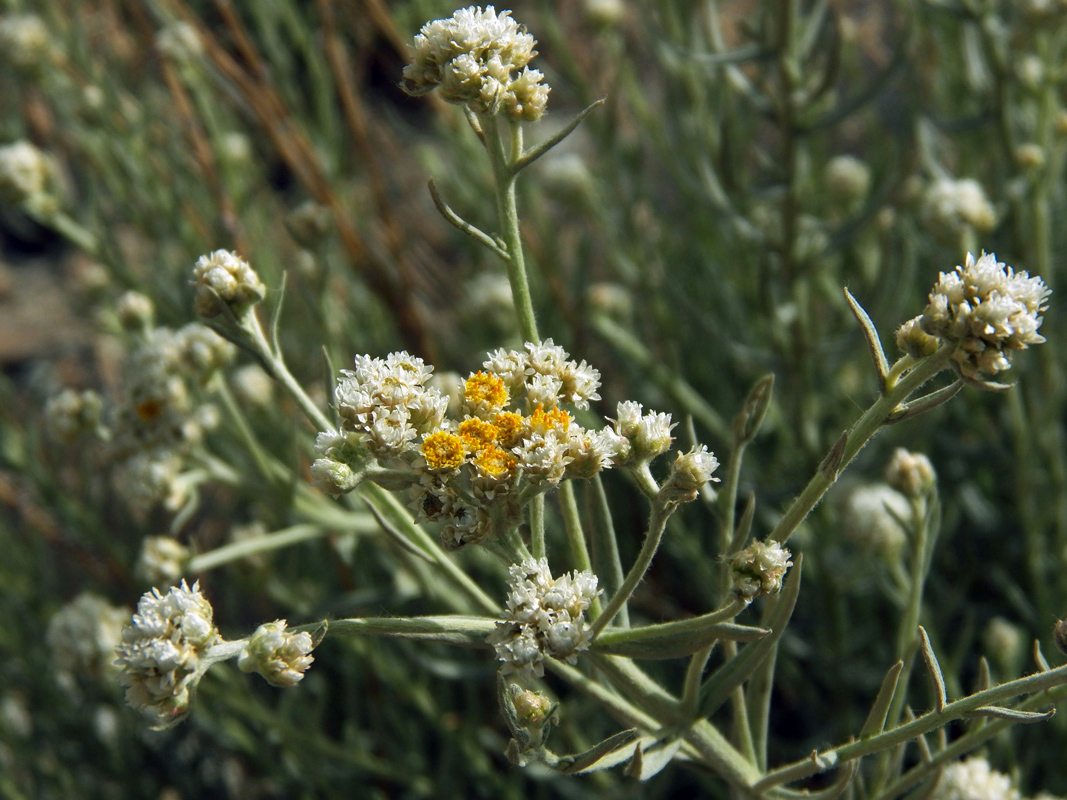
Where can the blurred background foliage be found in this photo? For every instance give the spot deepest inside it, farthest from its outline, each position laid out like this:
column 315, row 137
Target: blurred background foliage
column 693, row 235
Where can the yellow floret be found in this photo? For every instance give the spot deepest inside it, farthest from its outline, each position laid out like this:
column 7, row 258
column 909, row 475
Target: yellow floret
column 478, row 434
column 493, row 462
column 443, row 450
column 542, row 421
column 485, row 390
column 511, row 427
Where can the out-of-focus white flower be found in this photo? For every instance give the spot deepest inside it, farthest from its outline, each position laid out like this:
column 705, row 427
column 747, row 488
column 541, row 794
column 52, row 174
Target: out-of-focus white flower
column 543, row 617
column 24, row 40
column 1005, row 644
column 973, row 779
column 162, row 652
column 135, row 311
column 911, row 474
column 987, row 310
column 71, row 414
column 479, row 58
column 847, row 179
column 950, row 205
column 873, row 519
column 180, row 41
column 83, row 635
column 24, row 173
column 162, row 561
column 224, row 277
column 280, row 656
column 759, row 569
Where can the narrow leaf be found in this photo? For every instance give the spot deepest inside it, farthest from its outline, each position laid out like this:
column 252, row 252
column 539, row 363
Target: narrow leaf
column 870, row 333
column 934, row 668
column 276, row 316
column 1011, row 714
column 1039, row 657
column 754, row 409
column 653, row 760
column 676, row 644
column 456, row 629
column 875, row 723
column 456, row 221
column 985, row 680
column 543, row 147
column 831, row 792
column 925, row 403
column 586, row 760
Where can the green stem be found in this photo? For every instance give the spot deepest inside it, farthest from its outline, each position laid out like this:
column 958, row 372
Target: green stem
column 865, row 428
column 930, row 721
column 502, row 158
column 572, row 524
column 537, row 527
column 606, row 547
column 657, row 523
column 262, row 544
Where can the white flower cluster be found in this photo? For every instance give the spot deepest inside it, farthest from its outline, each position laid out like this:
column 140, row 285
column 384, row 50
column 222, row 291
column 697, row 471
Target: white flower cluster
column 24, row 173
column 83, row 635
column 973, row 779
column 874, row 518
column 162, row 561
column 224, row 278
column 162, row 650
column 280, row 656
column 543, row 617
column 759, row 569
column 158, row 419
column 479, row 58
column 24, row 40
column 986, row 310
column 950, row 205
column 546, row 375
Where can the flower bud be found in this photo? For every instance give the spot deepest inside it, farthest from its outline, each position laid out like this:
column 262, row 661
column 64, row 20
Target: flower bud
column 279, row 656
column 532, row 708
column 914, row 341
column 225, row 278
column 689, row 473
column 847, row 180
column 135, row 312
column 308, row 223
column 911, row 474
column 163, row 560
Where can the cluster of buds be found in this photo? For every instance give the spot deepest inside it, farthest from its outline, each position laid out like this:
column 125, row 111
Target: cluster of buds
column 224, row 279
column 909, row 473
column 280, row 656
column 759, row 569
column 479, row 59
column 163, row 649
column 71, row 414
column 985, row 310
column 543, row 617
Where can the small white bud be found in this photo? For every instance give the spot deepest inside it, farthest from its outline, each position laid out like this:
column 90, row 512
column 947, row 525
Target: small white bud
column 281, row 657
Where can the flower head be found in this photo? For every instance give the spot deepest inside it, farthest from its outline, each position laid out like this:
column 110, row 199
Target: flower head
column 479, row 58
column 544, row 616
column 759, row 569
column 280, row 656
column 162, row 561
column 162, row 652
column 986, row 310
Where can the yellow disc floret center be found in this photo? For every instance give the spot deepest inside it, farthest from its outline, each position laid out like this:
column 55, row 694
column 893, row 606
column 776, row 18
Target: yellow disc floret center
column 493, row 462
column 443, row 450
column 478, row 434
column 485, row 390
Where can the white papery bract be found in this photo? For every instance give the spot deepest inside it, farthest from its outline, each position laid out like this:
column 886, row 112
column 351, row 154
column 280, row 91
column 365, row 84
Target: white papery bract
column 987, row 310
column 544, row 616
